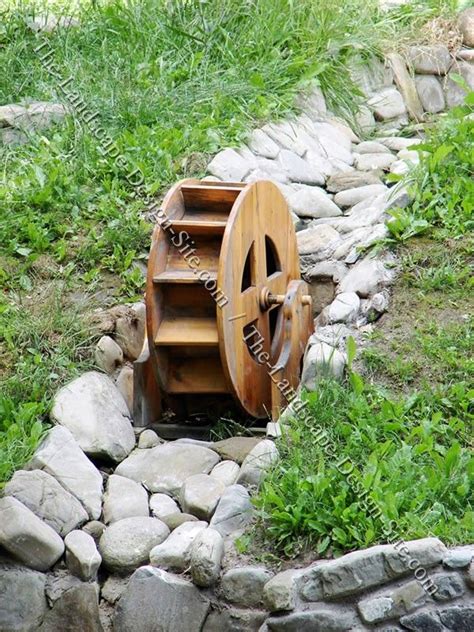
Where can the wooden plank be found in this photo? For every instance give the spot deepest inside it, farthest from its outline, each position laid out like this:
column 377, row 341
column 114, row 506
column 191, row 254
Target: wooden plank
column 210, row 198
column 187, row 330
column 182, row 276
column 196, row 375
column 194, row 225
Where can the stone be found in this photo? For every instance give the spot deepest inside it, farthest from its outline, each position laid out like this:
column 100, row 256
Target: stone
column 369, row 162
column 375, row 609
column 22, row 599
column 49, row 23
column 244, row 585
column 322, row 619
column 227, row 472
column 233, row 512
column 350, row 197
column 454, row 93
column 154, row 595
column 333, row 335
column 321, row 360
column 371, row 75
column 343, row 181
column 409, row 596
column 358, row 240
column 262, row 145
column 12, row 136
column 82, row 557
column 406, row 84
column 148, row 439
column 459, row 558
column 124, row 383
column 333, row 142
column 316, row 239
column 235, row 620
column 335, row 270
column 162, row 506
column 124, row 498
column 401, row 167
column 113, row 588
column 387, row 104
column 205, row 557
column 229, row 165
column 371, row 147
column 257, row 462
column 298, row 169
column 279, row 593
column 430, row 93
column 396, row 143
column 465, row 54
column 47, row 499
column 37, row 115
column 273, row 430
column 422, row 622
column 312, row 202
column 312, row 103
column 166, row 467
column 466, row 26
column 94, row 528
column 173, row 521
column 200, row 495
column 130, row 330
column 470, row 575
column 174, row 553
column 458, row 618
column 59, row 455
column 283, row 133
column 26, row 537
column 364, row 119
column 366, row 277
column 235, row 448
column 94, row 411
column 343, row 309
column 448, row 587
column 108, row 355
column 430, row 60
column 375, row 306
column 76, row 609
column 126, row 544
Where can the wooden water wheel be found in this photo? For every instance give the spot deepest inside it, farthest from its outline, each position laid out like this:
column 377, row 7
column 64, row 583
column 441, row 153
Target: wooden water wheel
column 228, row 316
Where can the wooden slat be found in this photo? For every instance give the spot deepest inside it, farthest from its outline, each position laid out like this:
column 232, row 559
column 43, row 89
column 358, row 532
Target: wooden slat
column 196, row 375
column 181, row 276
column 194, row 225
column 211, row 198
column 187, row 330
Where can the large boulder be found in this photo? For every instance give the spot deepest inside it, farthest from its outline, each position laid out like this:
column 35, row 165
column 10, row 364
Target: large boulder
column 22, row 599
column 166, row 467
column 126, row 544
column 157, row 600
column 27, row 537
column 47, row 499
column 60, row 456
column 93, row 409
column 76, row 609
column 200, row 495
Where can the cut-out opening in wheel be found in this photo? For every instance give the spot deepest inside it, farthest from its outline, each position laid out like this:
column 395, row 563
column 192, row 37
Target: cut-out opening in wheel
column 271, row 257
column 248, row 273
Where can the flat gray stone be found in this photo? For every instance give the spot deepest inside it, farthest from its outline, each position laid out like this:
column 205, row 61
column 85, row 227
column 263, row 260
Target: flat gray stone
column 343, row 309
column 257, row 462
column 113, row 588
column 334, row 143
column 229, row 165
column 283, row 133
column 93, row 410
column 205, row 557
column 454, row 93
column 162, row 506
column 298, row 169
column 316, row 239
column 366, row 277
column 423, row 621
column 312, row 103
column 76, row 609
column 405, row 83
column 22, row 599
column 49, row 23
column 153, row 596
column 108, row 355
column 227, row 472
column 200, row 494
column 244, row 585
column 26, row 537
column 387, row 104
column 430, row 93
column 322, row 619
column 309, row 201
column 233, row 512
column 47, row 499
column 59, row 455
column 82, row 557
column 458, row 618
column 174, row 553
column 321, row 361
column 235, row 448
column 370, row 162
column 36, row 115
column 459, row 558
column 262, row 145
column 235, row 620
column 125, row 545
column 175, row 520
column 279, row 593
column 351, row 197
column 430, row 60
column 352, row 180
column 375, row 609
column 166, row 467
column 397, row 143
column 371, row 147
column 448, row 587
column 124, row 498
column 148, row 439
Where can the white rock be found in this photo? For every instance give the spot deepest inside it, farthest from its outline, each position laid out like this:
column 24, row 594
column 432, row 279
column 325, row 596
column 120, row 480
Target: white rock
column 59, row 455
column 313, row 104
column 298, row 169
column 279, row 593
column 174, row 553
column 47, row 499
column 273, row 430
column 333, row 142
column 368, row 238
column 27, row 537
column 401, row 167
column 313, row 202
column 351, row 197
column 166, row 467
column 430, row 93
column 130, row 330
column 233, row 512
column 200, row 495
column 228, row 165
column 226, row 472
column 148, row 439
column 206, row 553
column 94, row 411
column 126, row 544
column 366, row 277
column 244, row 585
column 49, row 23
column 466, row 26
column 409, row 155
column 352, row 180
column 82, row 557
column 371, row 147
column 124, row 498
column 396, row 143
column 387, row 104
column 283, row 134
column 430, row 60
column 257, row 462
column 455, row 94
column 316, row 238
column 343, row 309
column 321, row 360
column 365, row 119
column 124, row 384
column 108, row 355
column 262, row 145
column 368, row 162
column 31, row 116
column 163, row 506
